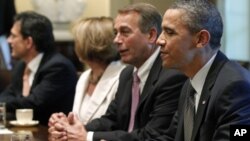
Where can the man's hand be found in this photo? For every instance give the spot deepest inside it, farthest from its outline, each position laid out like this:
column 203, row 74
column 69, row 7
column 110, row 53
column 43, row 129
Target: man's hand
column 56, row 117
column 76, row 130
column 57, row 124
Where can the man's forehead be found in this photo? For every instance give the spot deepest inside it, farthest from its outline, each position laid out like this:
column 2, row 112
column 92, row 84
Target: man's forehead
column 122, row 26
column 173, row 15
column 126, row 20
column 127, row 15
column 16, row 26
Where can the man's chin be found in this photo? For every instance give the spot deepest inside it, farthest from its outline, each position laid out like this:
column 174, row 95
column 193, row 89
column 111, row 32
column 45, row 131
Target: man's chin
column 15, row 57
column 125, row 60
column 166, row 65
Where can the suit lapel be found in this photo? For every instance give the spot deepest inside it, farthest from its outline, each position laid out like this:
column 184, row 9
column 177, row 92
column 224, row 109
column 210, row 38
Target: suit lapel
column 100, row 93
column 126, row 91
column 206, row 91
column 151, row 80
column 80, row 91
column 180, row 113
column 45, row 58
column 19, row 77
column 98, row 97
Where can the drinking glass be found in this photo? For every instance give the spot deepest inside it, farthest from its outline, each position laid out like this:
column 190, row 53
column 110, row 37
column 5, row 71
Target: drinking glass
column 2, row 115
column 21, row 137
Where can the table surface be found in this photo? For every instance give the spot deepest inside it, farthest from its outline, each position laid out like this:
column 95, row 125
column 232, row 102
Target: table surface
column 38, row 132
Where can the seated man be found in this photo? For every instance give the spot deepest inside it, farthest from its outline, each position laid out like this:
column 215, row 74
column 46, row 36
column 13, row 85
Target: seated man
column 43, row 80
column 217, row 93
column 147, row 94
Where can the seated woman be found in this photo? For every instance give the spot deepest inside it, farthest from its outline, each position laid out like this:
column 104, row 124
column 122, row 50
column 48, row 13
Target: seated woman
column 97, row 85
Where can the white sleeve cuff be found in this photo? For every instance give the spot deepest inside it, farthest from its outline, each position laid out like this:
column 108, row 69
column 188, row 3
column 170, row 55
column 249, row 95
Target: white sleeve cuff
column 90, row 136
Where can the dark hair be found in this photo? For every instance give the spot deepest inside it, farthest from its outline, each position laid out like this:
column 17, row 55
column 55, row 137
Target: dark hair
column 149, row 16
column 38, row 27
column 201, row 14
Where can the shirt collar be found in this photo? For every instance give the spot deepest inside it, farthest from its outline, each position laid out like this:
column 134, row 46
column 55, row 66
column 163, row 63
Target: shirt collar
column 199, row 79
column 143, row 71
column 34, row 63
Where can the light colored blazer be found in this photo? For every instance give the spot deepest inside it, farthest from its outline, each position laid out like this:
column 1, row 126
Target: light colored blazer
column 103, row 94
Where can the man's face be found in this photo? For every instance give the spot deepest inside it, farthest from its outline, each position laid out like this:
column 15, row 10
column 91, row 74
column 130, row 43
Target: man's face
column 177, row 43
column 133, row 45
column 17, row 42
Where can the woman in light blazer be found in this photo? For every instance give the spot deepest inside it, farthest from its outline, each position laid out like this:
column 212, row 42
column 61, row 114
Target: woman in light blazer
column 95, row 105
column 97, row 86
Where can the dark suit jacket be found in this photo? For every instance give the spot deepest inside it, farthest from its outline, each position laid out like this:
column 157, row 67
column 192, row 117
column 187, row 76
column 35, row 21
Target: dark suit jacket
column 158, row 102
column 225, row 101
column 52, row 90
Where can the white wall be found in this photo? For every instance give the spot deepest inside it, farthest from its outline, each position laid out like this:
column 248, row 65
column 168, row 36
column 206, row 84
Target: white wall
column 92, row 8
column 23, row 5
column 237, row 29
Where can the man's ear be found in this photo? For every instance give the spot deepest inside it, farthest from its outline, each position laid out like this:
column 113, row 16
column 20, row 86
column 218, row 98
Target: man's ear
column 203, row 38
column 29, row 41
column 152, row 35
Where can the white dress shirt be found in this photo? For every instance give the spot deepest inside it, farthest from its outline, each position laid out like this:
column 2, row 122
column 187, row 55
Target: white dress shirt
column 199, row 79
column 144, row 70
column 33, row 66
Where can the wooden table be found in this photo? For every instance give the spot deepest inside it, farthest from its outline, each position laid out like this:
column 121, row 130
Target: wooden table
column 39, row 132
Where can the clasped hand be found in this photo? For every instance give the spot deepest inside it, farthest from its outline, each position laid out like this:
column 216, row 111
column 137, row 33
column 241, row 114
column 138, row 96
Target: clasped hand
column 66, row 128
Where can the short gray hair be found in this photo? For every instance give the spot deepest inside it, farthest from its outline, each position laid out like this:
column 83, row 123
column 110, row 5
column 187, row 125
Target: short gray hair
column 149, row 16
column 201, row 14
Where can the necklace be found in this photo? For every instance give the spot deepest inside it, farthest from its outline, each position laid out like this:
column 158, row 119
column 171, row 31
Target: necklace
column 94, row 79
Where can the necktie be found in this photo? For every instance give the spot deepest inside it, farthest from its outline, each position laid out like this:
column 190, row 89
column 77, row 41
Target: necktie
column 26, row 85
column 189, row 113
column 135, row 100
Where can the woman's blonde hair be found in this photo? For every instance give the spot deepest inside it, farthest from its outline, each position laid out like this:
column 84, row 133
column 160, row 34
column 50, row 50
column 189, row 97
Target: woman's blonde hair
column 94, row 39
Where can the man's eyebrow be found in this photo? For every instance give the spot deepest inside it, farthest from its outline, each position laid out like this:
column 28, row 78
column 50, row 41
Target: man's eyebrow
column 166, row 28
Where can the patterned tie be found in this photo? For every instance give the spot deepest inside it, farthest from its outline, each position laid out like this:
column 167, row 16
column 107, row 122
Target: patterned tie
column 189, row 113
column 135, row 100
column 26, row 85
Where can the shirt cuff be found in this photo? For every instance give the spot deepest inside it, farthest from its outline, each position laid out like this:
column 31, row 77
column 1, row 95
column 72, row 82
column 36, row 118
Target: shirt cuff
column 90, row 136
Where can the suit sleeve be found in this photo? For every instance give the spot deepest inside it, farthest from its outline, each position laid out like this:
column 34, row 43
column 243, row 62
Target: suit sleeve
column 233, row 108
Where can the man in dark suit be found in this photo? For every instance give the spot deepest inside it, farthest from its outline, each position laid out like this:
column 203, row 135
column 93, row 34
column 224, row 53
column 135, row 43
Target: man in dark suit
column 190, row 42
column 51, row 78
column 137, row 28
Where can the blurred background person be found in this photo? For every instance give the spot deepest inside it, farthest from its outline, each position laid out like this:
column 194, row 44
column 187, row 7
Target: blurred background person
column 96, row 86
column 43, row 79
column 7, row 12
